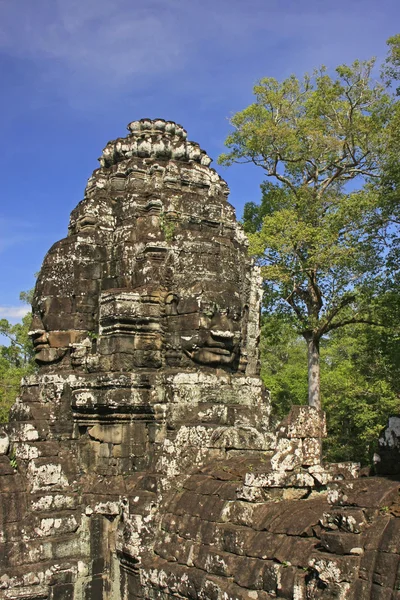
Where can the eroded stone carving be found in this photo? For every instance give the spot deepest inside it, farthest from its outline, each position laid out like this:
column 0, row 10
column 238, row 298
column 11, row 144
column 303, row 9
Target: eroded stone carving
column 154, row 268
column 140, row 462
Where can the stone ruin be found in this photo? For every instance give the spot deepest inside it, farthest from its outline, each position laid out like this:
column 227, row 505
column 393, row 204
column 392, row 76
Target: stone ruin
column 140, row 461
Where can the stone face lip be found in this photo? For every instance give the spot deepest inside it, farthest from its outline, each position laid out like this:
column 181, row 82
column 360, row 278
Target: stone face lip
column 163, row 140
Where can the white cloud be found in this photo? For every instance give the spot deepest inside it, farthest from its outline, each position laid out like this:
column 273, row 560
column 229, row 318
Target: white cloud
column 83, row 46
column 13, row 312
column 103, row 40
column 93, row 53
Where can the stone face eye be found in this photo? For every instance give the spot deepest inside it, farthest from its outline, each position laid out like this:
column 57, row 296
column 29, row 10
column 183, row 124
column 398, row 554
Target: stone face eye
column 171, row 304
column 172, row 299
column 209, row 309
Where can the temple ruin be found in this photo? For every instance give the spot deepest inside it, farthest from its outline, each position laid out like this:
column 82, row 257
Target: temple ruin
column 140, row 462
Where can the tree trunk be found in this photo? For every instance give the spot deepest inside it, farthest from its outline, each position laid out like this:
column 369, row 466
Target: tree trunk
column 314, row 386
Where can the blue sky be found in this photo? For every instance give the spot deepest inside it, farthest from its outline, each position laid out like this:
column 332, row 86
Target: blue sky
column 75, row 72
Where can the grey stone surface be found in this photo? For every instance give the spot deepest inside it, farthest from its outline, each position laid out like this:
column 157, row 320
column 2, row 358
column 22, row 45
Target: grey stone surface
column 387, row 458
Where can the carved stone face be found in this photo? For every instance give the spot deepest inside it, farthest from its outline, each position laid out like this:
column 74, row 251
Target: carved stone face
column 185, row 312
column 206, row 325
column 154, row 271
column 217, row 340
column 51, row 346
column 65, row 303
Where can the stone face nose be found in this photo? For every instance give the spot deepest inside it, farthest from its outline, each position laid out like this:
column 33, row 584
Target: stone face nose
column 37, row 333
column 36, row 324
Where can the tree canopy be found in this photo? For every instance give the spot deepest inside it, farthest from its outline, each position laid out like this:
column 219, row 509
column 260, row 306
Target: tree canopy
column 326, row 143
column 16, row 358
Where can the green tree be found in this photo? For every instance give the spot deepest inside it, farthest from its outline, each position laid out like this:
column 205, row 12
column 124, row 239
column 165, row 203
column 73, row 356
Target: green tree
column 359, row 395
column 391, row 67
column 317, row 241
column 16, row 358
column 360, row 379
column 283, row 363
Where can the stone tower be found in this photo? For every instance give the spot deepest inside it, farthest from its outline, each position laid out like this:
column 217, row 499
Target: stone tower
column 145, row 327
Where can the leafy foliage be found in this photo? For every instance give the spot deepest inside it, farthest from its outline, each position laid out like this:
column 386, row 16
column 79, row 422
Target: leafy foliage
column 16, row 359
column 391, row 66
column 359, row 391
column 322, row 245
column 360, row 381
column 283, row 364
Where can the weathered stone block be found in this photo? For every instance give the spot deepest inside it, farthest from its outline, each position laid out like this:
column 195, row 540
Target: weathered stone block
column 385, row 569
column 249, row 573
column 341, row 543
column 303, row 422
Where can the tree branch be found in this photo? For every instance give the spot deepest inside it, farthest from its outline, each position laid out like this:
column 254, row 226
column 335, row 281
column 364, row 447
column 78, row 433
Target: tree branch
column 290, row 300
column 345, row 302
column 353, row 321
column 11, row 338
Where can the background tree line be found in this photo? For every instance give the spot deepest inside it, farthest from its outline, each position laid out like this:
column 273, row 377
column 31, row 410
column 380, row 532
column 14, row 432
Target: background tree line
column 16, row 358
